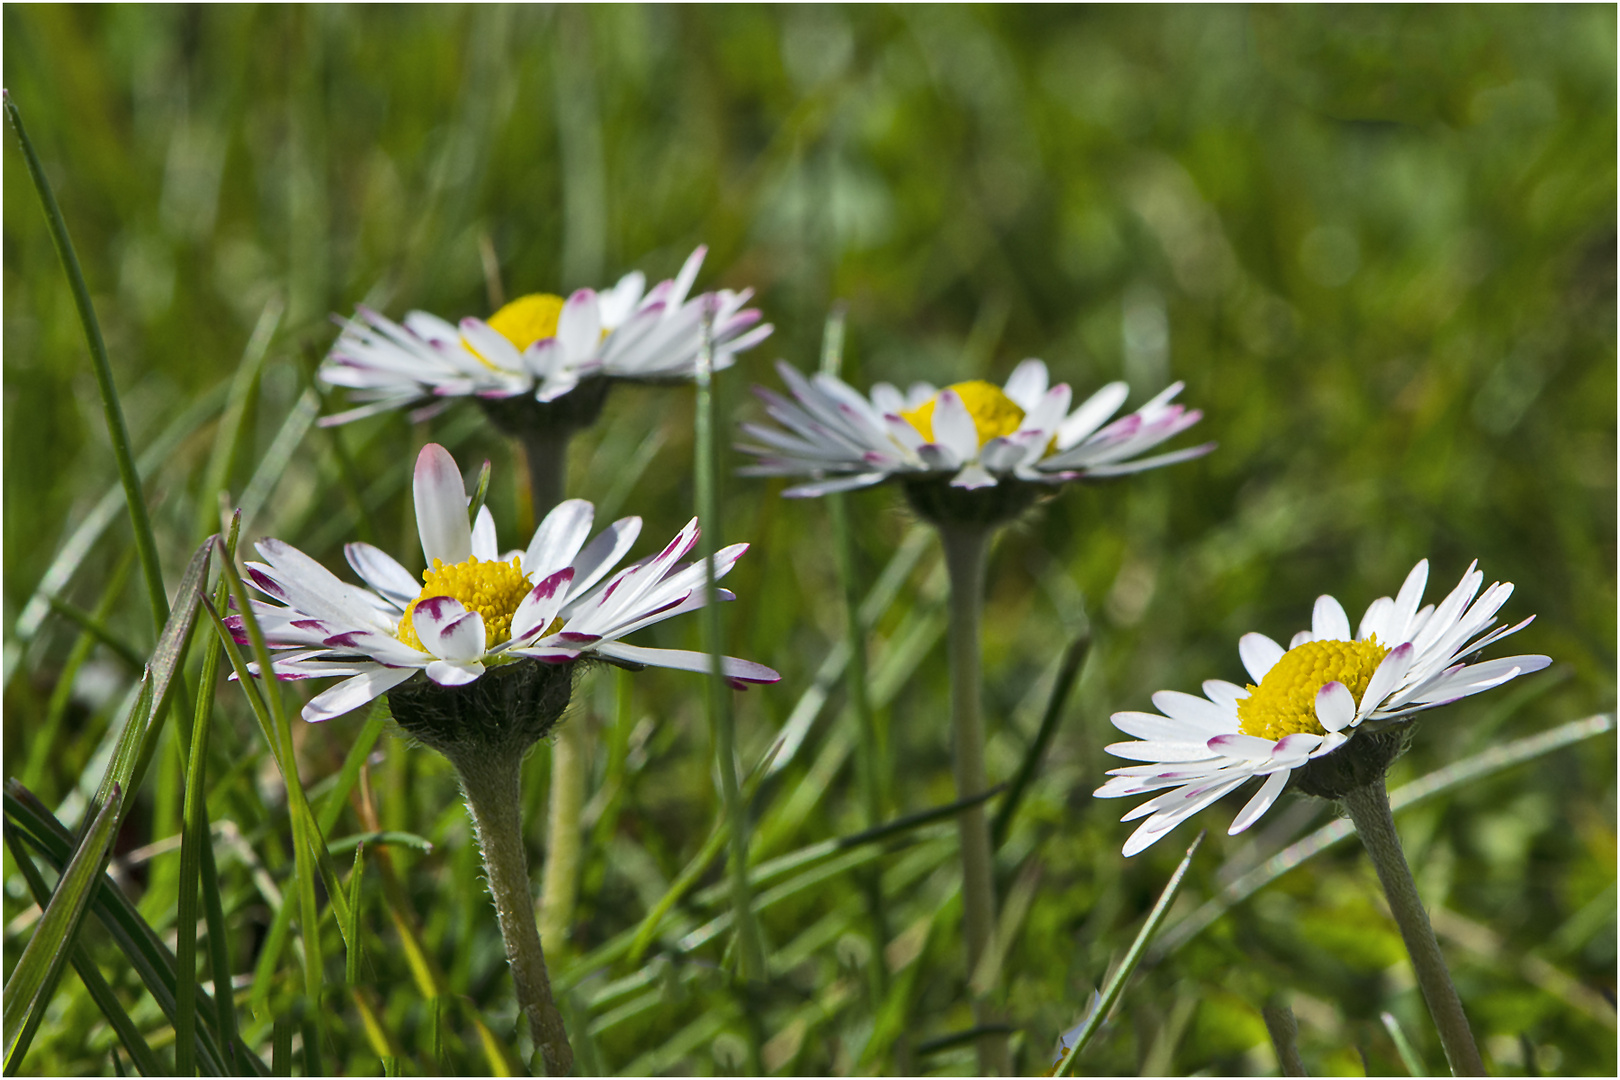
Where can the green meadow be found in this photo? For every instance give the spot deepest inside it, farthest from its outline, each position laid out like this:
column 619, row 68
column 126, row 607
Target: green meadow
column 1378, row 244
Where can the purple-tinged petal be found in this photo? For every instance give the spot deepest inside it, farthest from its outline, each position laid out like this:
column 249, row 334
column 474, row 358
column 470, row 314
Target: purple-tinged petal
column 441, row 507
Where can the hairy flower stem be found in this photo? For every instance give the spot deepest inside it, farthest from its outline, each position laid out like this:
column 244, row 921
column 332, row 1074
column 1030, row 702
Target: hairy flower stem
column 1368, row 807
column 546, row 448
column 491, row 783
column 966, row 548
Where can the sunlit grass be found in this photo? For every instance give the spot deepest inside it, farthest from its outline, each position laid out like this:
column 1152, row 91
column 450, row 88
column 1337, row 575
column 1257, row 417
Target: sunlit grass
column 1378, row 245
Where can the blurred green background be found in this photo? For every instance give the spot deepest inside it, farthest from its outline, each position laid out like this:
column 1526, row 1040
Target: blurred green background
column 1379, row 245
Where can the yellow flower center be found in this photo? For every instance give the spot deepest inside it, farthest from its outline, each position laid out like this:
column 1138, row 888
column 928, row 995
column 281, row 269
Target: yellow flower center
column 493, row 589
column 993, row 412
column 528, row 319
column 1285, row 701
column 523, row 322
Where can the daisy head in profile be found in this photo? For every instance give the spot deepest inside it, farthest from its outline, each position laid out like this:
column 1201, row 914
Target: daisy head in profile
column 1331, row 710
column 484, row 645
column 973, row 451
column 540, row 357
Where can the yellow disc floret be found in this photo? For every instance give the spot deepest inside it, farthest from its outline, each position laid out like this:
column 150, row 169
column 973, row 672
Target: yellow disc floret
column 493, row 589
column 994, row 413
column 523, row 322
column 528, row 319
column 1285, row 701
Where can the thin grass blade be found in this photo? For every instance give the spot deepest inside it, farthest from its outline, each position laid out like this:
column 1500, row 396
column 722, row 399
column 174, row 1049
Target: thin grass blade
column 351, row 966
column 1074, row 657
column 145, row 1061
column 1116, row 984
column 1403, row 1046
column 118, row 431
column 33, row 981
column 194, row 836
column 146, row 952
column 138, row 740
column 233, row 422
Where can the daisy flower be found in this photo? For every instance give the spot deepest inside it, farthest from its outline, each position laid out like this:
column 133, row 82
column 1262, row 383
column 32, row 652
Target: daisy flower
column 1313, row 705
column 539, row 346
column 975, row 433
column 477, row 609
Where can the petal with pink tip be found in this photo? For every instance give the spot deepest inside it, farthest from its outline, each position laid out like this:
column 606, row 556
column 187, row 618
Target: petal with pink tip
column 1335, row 706
column 441, row 507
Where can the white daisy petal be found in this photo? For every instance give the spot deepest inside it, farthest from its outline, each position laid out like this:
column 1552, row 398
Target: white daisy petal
column 1260, row 803
column 1246, row 747
column 1260, row 654
column 380, row 570
column 735, row 670
column 1207, row 717
column 441, row 507
column 1293, row 750
column 953, row 426
column 483, row 536
column 1391, row 670
column 350, row 694
column 1092, row 414
column 601, row 555
column 1328, row 620
column 1165, row 750
column 1378, row 621
column 453, row 672
column 579, row 326
column 448, row 630
column 541, row 604
column 1224, row 694
column 559, row 538
column 1476, row 678
column 1153, row 726
column 1027, row 384
column 1335, row 706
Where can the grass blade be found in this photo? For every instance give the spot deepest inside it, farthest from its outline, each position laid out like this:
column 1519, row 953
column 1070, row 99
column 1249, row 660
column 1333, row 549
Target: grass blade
column 77, row 547
column 138, row 740
column 351, row 967
column 146, row 952
column 117, row 430
column 480, row 493
column 194, row 836
column 1403, row 1046
column 96, row 626
column 1116, row 984
column 274, row 463
column 140, row 1053
column 39, row 751
column 233, row 423
column 33, row 981
column 1074, row 657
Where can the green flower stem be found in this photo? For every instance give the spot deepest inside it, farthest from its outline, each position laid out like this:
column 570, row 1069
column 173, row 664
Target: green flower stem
column 547, row 451
column 491, row 783
column 1368, row 807
column 1284, row 1032
column 722, row 725
column 966, row 549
